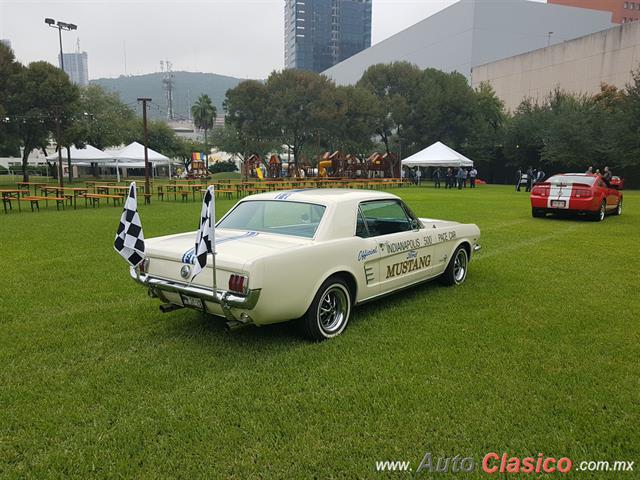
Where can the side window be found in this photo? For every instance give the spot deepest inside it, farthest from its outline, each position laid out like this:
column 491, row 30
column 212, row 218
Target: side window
column 384, row 217
column 361, row 227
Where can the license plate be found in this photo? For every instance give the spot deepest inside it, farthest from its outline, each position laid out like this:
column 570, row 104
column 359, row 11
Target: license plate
column 192, row 302
column 558, row 203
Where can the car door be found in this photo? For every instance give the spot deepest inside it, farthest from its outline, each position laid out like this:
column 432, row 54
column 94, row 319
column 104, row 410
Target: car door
column 403, row 257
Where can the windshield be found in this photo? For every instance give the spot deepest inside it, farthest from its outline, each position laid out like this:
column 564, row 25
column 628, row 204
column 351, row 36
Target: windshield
column 273, row 216
column 571, row 179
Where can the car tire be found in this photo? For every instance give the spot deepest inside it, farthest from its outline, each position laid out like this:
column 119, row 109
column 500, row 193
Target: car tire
column 456, row 271
column 601, row 213
column 618, row 210
column 538, row 213
column 328, row 315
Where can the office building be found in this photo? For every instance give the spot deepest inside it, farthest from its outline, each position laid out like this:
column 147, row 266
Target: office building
column 321, row 33
column 621, row 10
column 76, row 66
column 475, row 32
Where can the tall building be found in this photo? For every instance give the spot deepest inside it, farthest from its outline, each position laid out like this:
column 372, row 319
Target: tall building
column 321, row 33
column 475, row 32
column 76, row 65
column 621, row 11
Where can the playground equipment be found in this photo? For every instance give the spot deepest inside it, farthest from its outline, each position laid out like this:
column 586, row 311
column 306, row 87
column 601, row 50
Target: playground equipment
column 275, row 166
column 197, row 169
column 250, row 165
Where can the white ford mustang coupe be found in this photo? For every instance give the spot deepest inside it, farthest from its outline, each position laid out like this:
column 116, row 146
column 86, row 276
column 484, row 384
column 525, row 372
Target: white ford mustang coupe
column 310, row 255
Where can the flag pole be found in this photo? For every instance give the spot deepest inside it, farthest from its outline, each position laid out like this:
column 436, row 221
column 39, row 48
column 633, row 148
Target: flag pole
column 212, row 189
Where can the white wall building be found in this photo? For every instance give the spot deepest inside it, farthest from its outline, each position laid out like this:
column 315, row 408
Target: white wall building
column 475, row 32
column 577, row 66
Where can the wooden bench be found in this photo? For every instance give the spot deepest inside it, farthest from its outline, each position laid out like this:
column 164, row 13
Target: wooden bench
column 94, row 198
column 35, row 201
column 227, row 192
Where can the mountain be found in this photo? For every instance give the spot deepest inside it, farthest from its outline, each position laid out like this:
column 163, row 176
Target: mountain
column 188, row 86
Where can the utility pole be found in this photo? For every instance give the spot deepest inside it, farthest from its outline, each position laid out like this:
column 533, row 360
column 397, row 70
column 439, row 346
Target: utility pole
column 59, row 134
column 147, row 189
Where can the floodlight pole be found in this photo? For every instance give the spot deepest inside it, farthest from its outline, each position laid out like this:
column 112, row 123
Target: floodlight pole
column 147, row 191
column 61, row 54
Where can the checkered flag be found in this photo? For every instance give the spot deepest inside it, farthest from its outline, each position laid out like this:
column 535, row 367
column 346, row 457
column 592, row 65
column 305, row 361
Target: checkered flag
column 130, row 240
column 206, row 235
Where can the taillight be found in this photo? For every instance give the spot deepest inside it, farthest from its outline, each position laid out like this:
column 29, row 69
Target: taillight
column 540, row 190
column 143, row 266
column 238, row 283
column 582, row 193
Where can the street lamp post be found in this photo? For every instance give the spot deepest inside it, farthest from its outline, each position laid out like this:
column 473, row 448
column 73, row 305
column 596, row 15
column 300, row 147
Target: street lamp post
column 60, row 26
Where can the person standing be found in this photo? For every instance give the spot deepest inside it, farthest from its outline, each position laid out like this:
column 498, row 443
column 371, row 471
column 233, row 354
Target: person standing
column 436, row 177
column 540, row 176
column 529, row 179
column 518, row 179
column 589, row 171
column 418, row 175
column 606, row 176
column 462, row 176
column 473, row 173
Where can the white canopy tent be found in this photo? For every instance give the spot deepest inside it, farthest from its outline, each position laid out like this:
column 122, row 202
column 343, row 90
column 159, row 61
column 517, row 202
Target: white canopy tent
column 437, row 155
column 133, row 156
column 88, row 154
column 82, row 157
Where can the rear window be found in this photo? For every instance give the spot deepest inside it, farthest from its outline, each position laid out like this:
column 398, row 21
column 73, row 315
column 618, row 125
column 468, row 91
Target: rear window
column 272, row 216
column 571, row 179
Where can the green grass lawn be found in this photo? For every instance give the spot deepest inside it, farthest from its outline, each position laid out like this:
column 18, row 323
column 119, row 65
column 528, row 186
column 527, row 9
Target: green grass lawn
column 539, row 351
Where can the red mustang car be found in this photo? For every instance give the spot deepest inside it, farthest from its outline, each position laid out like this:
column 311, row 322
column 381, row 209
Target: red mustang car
column 577, row 193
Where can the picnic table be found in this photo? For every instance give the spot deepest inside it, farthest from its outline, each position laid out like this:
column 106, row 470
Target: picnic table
column 75, row 191
column 184, row 189
column 28, row 185
column 11, row 193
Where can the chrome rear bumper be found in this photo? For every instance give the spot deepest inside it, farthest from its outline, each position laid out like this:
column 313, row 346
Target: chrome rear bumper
column 224, row 298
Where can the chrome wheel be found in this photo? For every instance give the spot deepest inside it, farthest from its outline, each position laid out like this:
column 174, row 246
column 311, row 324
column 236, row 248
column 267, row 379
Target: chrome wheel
column 460, row 266
column 333, row 309
column 603, row 211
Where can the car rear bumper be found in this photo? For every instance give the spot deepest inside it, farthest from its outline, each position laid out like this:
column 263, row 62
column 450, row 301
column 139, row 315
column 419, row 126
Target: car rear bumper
column 591, row 204
column 227, row 300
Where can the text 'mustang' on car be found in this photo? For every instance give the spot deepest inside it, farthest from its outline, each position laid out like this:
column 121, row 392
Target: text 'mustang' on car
column 310, row 255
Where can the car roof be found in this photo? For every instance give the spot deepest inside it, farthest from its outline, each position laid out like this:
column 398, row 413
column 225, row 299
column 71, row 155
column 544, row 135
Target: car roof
column 323, row 195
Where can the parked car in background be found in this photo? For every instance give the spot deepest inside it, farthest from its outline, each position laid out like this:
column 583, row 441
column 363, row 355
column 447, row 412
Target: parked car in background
column 310, row 255
column 577, row 193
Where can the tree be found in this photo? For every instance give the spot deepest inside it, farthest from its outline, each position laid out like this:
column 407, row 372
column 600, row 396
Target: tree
column 299, row 107
column 443, row 110
column 394, row 85
column 104, row 120
column 486, row 136
column 248, row 128
column 41, row 100
column 204, row 113
column 9, row 67
column 355, row 123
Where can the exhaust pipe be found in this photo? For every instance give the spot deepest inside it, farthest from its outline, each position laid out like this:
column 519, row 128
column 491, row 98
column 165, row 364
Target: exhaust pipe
column 169, row 307
column 233, row 325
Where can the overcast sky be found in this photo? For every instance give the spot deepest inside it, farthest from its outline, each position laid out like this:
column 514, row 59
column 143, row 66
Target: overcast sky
column 241, row 38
